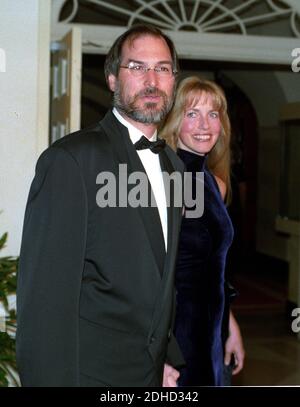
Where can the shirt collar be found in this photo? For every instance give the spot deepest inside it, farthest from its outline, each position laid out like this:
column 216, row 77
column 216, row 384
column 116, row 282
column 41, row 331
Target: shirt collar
column 134, row 133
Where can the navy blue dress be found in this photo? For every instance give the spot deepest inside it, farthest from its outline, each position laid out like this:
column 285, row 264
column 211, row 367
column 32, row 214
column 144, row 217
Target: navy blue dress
column 203, row 246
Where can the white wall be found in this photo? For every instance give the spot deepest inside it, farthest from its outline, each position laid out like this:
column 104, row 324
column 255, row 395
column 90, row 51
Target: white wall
column 24, row 98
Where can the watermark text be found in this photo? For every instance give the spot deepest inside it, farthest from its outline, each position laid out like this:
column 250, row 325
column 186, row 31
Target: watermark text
column 296, row 322
column 133, row 189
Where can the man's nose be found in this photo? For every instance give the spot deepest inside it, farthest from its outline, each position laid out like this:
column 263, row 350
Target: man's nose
column 151, row 77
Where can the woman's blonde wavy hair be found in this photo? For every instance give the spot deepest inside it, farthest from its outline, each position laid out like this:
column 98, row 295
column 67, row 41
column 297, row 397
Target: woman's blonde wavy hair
column 188, row 94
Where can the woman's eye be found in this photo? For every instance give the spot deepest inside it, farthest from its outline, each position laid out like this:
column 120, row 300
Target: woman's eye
column 191, row 114
column 214, row 115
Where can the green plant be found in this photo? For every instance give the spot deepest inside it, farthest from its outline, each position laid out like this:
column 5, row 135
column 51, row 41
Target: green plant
column 8, row 283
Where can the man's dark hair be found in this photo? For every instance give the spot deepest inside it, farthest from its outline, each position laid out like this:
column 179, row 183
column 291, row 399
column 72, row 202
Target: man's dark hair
column 113, row 58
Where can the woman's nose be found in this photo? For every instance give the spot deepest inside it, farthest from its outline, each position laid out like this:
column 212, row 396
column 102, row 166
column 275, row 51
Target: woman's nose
column 203, row 122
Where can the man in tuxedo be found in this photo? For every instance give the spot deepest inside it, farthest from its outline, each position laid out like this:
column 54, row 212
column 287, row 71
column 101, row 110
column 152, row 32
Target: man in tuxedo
column 95, row 293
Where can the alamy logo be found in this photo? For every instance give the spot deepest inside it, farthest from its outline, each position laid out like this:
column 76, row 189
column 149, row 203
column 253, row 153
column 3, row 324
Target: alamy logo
column 296, row 61
column 122, row 190
column 2, row 60
column 296, row 322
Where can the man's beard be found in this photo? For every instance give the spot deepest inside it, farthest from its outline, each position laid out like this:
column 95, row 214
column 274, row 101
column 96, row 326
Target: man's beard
column 149, row 114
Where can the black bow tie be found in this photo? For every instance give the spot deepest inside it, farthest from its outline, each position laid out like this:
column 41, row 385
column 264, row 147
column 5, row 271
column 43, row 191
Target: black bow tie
column 155, row 146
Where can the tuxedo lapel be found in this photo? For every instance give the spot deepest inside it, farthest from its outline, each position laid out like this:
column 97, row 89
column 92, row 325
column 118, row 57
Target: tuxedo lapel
column 174, row 216
column 150, row 214
column 167, row 168
column 116, row 134
column 126, row 153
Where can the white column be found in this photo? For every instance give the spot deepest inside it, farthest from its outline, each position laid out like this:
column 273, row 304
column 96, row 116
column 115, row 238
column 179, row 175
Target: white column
column 24, row 99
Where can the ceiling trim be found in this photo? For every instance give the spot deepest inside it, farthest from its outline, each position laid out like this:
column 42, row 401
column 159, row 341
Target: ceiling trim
column 97, row 39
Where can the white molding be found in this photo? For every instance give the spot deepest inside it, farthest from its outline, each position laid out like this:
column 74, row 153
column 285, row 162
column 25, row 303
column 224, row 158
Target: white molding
column 215, row 47
column 98, row 39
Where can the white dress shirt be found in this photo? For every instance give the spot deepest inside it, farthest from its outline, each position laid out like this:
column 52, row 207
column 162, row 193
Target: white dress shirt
column 152, row 167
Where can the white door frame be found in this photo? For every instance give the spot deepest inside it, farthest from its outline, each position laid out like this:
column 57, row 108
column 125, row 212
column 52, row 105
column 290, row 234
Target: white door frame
column 195, row 45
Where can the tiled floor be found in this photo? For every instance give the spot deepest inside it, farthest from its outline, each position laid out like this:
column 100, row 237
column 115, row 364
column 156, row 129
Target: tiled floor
column 272, row 351
column 272, row 348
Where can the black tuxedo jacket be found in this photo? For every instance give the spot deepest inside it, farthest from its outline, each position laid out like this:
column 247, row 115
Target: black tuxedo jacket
column 95, row 293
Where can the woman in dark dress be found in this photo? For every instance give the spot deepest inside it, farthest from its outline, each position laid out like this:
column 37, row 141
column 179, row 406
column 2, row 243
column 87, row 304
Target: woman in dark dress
column 198, row 127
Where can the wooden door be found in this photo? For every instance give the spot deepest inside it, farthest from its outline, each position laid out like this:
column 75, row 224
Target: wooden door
column 65, row 91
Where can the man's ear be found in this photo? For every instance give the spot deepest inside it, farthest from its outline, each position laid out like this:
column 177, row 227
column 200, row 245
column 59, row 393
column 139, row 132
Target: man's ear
column 112, row 82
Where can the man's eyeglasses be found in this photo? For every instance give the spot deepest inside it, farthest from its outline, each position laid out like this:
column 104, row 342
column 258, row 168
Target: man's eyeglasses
column 136, row 69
